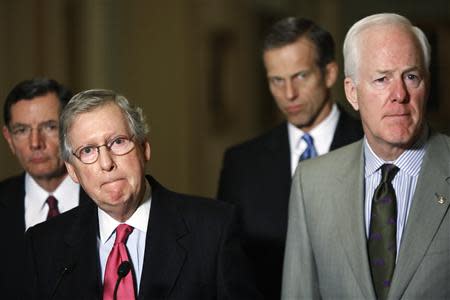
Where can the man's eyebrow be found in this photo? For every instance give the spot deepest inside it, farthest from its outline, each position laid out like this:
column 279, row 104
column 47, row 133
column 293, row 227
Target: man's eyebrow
column 19, row 124
column 409, row 69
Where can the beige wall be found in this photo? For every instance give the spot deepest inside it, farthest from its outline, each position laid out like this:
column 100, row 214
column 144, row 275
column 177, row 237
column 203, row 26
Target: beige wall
column 161, row 55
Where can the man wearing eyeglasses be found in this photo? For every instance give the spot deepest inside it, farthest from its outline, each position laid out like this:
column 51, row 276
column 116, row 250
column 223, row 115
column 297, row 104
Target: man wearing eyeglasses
column 136, row 239
column 31, row 113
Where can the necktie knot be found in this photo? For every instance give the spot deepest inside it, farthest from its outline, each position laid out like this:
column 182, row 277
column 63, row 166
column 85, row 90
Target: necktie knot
column 388, row 172
column 52, row 202
column 308, row 139
column 52, row 207
column 122, row 233
column 310, row 150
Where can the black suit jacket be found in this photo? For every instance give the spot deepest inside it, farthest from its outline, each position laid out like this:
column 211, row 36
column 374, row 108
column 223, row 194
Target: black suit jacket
column 192, row 252
column 256, row 177
column 12, row 222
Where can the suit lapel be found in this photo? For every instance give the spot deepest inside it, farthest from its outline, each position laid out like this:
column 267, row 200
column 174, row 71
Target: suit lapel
column 81, row 255
column 425, row 215
column 14, row 204
column 348, row 130
column 165, row 252
column 349, row 208
column 277, row 159
column 83, row 197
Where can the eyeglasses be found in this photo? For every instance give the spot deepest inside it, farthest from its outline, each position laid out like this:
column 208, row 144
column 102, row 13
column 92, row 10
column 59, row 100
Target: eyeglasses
column 23, row 131
column 120, row 145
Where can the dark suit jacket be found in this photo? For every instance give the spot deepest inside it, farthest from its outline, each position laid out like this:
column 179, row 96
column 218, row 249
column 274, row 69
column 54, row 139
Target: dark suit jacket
column 12, row 221
column 256, row 177
column 191, row 252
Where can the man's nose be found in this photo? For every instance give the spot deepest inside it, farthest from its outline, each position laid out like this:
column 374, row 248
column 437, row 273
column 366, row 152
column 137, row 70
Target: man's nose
column 399, row 91
column 105, row 159
column 36, row 139
column 290, row 90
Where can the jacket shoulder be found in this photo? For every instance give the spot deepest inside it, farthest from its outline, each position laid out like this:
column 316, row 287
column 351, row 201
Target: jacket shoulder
column 12, row 182
column 189, row 206
column 272, row 138
column 346, row 156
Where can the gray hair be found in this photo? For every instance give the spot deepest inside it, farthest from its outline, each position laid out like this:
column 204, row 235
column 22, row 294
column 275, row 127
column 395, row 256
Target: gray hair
column 88, row 101
column 351, row 42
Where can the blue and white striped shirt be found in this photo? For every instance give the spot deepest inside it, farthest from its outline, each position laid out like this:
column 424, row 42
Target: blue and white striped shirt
column 404, row 183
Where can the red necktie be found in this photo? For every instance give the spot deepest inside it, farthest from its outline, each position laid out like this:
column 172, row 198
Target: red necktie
column 52, row 207
column 118, row 254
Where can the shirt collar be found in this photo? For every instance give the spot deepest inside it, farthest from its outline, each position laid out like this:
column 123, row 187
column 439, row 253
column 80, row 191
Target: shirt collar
column 65, row 189
column 139, row 219
column 409, row 161
column 35, row 191
column 322, row 129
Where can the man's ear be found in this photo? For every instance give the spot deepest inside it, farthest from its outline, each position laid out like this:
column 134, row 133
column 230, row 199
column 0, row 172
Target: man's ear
column 147, row 151
column 71, row 171
column 331, row 73
column 351, row 93
column 8, row 138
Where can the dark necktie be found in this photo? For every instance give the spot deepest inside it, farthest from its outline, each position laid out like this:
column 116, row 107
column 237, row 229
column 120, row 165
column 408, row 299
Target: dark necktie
column 382, row 244
column 118, row 254
column 310, row 150
column 52, row 207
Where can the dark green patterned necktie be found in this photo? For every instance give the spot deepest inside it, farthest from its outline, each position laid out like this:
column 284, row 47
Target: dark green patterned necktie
column 382, row 244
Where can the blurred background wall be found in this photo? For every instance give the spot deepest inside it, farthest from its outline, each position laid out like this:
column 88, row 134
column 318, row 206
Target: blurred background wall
column 193, row 65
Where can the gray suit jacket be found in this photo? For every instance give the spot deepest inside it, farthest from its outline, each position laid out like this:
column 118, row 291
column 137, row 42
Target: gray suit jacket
column 326, row 255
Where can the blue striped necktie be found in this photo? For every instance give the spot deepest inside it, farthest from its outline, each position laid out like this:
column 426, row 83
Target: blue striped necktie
column 310, row 150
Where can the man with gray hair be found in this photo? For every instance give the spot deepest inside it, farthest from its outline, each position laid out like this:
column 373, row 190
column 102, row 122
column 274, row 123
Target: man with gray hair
column 372, row 219
column 135, row 239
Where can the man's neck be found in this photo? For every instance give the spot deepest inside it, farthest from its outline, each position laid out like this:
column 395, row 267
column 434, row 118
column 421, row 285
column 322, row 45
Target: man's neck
column 50, row 184
column 324, row 112
column 390, row 152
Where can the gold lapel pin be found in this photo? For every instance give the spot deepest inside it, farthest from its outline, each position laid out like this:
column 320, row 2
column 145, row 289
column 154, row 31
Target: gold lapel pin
column 440, row 198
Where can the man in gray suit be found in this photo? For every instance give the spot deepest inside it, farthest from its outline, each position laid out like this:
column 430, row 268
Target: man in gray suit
column 372, row 219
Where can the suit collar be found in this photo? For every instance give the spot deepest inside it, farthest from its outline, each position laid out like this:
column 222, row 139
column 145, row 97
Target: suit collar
column 78, row 256
column 165, row 252
column 426, row 212
column 15, row 187
column 348, row 130
column 13, row 202
column 350, row 177
column 277, row 139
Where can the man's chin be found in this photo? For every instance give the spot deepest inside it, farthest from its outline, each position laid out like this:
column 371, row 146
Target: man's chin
column 47, row 174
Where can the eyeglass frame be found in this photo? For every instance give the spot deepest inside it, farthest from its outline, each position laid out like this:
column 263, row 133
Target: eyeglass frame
column 130, row 139
column 47, row 128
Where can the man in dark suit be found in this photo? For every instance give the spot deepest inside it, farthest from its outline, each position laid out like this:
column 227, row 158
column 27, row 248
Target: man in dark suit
column 299, row 59
column 139, row 240
column 31, row 113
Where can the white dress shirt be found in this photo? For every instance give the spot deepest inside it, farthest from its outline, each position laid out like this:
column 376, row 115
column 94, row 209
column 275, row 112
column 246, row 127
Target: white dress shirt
column 36, row 208
column 322, row 135
column 136, row 240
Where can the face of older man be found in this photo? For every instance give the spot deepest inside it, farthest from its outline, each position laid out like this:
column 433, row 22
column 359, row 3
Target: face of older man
column 390, row 90
column 115, row 182
column 32, row 136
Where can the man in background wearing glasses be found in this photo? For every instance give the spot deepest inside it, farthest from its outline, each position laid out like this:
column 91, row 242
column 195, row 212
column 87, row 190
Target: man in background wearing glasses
column 136, row 239
column 31, row 113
